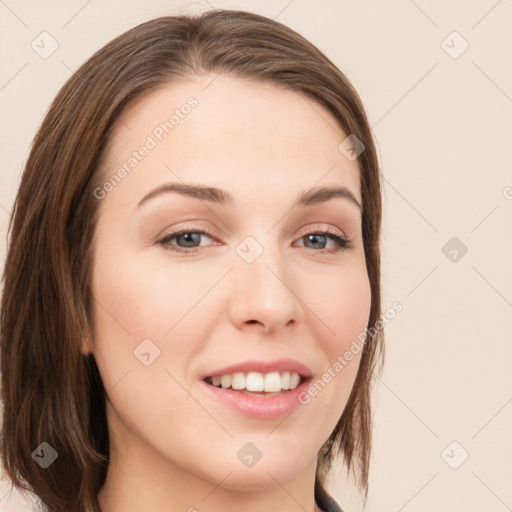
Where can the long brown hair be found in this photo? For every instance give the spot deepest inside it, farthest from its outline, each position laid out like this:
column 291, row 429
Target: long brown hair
column 50, row 391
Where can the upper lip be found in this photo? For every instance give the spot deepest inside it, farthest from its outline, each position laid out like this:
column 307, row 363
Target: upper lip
column 279, row 365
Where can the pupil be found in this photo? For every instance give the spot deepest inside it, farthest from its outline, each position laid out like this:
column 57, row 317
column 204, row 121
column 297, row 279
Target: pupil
column 189, row 237
column 315, row 238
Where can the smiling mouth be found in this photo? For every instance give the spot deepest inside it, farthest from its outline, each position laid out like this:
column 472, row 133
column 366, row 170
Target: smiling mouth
column 256, row 383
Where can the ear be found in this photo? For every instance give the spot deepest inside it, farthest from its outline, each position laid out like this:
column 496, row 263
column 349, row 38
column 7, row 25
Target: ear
column 86, row 347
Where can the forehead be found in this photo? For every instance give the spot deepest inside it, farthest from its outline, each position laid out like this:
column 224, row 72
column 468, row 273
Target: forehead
column 254, row 139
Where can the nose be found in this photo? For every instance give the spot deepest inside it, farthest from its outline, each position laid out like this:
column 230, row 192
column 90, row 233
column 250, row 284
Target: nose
column 264, row 292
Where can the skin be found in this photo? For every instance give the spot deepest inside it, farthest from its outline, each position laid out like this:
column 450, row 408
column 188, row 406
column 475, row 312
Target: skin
column 173, row 448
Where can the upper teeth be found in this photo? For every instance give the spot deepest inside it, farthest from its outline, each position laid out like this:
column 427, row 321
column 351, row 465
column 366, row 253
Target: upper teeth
column 255, row 381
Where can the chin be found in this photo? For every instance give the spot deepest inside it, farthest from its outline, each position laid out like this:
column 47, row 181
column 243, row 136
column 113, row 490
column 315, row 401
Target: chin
column 263, row 474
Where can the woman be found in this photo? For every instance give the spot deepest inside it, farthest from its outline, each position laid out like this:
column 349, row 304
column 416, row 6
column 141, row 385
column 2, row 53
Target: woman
column 145, row 370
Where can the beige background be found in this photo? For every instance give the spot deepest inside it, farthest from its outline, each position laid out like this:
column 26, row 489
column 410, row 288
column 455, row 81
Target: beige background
column 444, row 128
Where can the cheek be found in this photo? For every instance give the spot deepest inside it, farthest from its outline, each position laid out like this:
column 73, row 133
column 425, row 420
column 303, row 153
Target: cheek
column 147, row 296
column 342, row 306
column 132, row 304
column 135, row 302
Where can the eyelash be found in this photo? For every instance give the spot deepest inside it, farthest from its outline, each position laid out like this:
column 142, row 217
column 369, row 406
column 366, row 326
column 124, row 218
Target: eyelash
column 342, row 243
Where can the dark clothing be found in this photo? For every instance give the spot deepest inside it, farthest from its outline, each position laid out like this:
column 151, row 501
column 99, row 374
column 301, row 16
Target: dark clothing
column 324, row 500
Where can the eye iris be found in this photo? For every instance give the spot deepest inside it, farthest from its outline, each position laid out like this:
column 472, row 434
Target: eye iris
column 190, row 238
column 315, row 238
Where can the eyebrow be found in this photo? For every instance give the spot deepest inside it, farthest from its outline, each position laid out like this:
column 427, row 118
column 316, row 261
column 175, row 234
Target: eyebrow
column 310, row 197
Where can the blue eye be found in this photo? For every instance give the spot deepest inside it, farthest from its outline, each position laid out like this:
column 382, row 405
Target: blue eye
column 189, row 237
column 341, row 242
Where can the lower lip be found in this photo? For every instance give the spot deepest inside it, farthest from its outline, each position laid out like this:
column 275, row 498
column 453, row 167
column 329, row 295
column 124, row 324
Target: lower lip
column 265, row 407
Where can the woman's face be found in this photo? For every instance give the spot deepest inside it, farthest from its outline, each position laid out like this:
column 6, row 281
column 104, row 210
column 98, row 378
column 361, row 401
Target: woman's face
column 263, row 288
